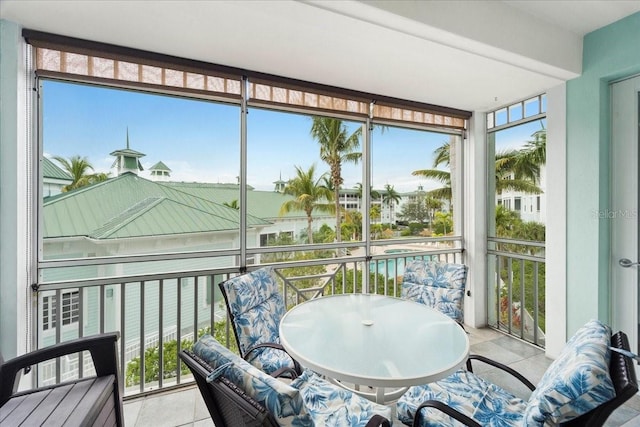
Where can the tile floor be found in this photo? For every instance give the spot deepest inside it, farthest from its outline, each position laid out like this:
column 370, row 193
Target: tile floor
column 186, row 407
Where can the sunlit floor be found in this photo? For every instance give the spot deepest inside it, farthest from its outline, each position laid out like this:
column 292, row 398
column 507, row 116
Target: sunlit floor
column 186, row 407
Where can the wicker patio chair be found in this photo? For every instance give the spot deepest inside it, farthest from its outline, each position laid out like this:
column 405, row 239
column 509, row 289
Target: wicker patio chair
column 590, row 379
column 238, row 394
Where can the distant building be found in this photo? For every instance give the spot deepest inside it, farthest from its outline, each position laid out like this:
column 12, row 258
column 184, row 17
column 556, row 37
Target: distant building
column 530, row 207
column 53, row 178
column 131, row 215
column 160, row 172
column 127, row 160
column 280, row 185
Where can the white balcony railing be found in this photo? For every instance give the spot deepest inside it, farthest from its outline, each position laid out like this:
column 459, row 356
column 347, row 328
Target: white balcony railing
column 159, row 316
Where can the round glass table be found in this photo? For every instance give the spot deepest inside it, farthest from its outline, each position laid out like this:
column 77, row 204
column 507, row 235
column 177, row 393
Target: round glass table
column 375, row 341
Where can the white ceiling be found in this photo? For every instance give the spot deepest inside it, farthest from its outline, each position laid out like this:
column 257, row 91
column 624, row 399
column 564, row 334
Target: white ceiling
column 472, row 55
column 580, row 17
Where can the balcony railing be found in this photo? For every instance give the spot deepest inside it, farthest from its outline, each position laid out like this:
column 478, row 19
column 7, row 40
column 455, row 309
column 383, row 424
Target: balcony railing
column 517, row 288
column 157, row 315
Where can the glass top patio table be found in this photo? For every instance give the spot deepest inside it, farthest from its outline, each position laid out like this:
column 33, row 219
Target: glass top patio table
column 374, row 340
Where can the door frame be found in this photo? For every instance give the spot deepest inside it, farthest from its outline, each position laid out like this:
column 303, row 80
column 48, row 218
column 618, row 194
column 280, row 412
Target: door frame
column 624, row 205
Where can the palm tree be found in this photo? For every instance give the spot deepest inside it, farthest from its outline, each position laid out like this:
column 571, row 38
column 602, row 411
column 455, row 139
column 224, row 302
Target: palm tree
column 372, row 193
column 433, row 204
column 77, row 167
column 444, row 177
column 337, row 146
column 534, row 153
column 374, row 213
column 519, row 170
column 233, row 204
column 309, row 194
column 390, row 197
column 516, row 170
column 515, row 173
column 352, row 225
column 442, row 157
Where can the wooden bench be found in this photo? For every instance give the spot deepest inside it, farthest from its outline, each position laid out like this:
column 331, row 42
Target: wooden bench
column 83, row 402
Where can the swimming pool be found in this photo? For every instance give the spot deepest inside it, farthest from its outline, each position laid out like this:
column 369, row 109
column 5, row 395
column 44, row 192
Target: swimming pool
column 388, row 267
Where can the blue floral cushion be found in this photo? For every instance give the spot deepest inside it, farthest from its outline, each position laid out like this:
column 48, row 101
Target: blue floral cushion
column 577, row 381
column 331, row 405
column 308, row 401
column 469, row 394
column 438, row 285
column 257, row 307
column 278, row 397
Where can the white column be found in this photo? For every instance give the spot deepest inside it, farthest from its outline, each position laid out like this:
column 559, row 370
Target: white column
column 475, row 221
column 556, row 229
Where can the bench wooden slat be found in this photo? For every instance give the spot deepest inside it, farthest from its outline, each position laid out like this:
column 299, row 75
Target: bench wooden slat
column 26, row 405
column 66, row 407
column 92, row 402
column 107, row 416
column 7, row 409
column 54, row 396
column 82, row 403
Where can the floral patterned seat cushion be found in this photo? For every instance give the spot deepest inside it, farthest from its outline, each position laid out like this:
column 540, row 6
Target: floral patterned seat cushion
column 308, row 401
column 257, row 306
column 331, row 405
column 278, row 397
column 438, row 285
column 577, row 381
column 469, row 394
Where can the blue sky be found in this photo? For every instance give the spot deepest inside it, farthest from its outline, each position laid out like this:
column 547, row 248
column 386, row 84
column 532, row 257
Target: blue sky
column 198, row 140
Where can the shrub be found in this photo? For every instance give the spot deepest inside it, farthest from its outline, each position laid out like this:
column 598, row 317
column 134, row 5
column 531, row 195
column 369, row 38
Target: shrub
column 170, row 352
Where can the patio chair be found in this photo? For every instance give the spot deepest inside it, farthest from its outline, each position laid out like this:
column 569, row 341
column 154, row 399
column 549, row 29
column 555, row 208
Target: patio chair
column 590, row 379
column 436, row 284
column 255, row 307
column 86, row 401
column 238, row 394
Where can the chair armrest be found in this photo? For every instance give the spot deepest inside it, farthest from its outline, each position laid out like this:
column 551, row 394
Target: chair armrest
column 500, row 366
column 103, row 349
column 378, row 420
column 289, row 373
column 296, row 366
column 447, row 410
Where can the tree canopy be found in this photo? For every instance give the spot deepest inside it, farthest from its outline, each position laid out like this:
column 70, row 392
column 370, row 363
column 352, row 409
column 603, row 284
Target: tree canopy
column 337, row 146
column 79, row 169
column 310, row 194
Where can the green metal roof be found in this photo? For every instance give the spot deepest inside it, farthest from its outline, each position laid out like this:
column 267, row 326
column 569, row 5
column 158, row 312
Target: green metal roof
column 163, row 216
column 160, row 166
column 127, row 152
column 53, row 171
column 132, row 206
column 263, row 204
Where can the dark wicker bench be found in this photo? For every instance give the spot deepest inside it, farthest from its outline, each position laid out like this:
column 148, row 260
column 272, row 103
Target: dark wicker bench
column 83, row 402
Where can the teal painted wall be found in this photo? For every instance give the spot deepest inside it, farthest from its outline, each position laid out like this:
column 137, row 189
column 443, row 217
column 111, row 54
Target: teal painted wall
column 609, row 53
column 9, row 299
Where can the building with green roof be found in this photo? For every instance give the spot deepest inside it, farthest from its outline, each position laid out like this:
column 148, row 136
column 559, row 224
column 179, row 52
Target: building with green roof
column 160, row 172
column 131, row 215
column 152, row 217
column 53, row 178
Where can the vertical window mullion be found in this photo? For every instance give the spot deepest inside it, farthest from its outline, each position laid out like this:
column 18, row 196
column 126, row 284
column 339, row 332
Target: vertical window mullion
column 244, row 87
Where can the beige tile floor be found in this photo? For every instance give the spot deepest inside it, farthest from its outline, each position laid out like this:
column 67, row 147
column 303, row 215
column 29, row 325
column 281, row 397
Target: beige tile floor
column 186, row 407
